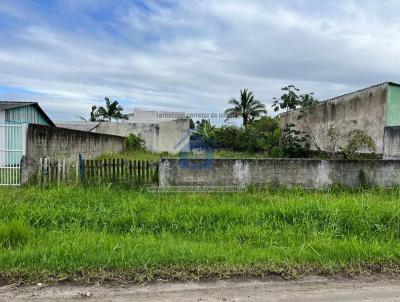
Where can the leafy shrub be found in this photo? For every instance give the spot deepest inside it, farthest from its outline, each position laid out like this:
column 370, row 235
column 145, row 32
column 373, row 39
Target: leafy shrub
column 134, row 142
column 275, row 152
column 14, row 234
column 294, row 142
column 261, row 135
column 358, row 141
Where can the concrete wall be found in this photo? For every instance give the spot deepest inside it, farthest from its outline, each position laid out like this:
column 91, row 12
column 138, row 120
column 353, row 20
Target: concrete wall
column 364, row 109
column 169, row 136
column 391, row 140
column 307, row 173
column 162, row 137
column 63, row 143
column 81, row 126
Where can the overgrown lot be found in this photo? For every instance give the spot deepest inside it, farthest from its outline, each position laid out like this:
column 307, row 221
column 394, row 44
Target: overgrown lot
column 101, row 233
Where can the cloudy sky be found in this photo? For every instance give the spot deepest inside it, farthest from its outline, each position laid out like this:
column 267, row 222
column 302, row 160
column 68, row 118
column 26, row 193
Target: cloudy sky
column 191, row 55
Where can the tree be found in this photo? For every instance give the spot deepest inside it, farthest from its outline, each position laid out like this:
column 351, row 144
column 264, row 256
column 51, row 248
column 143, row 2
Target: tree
column 294, row 142
column 248, row 108
column 290, row 100
column 205, row 131
column 94, row 115
column 111, row 111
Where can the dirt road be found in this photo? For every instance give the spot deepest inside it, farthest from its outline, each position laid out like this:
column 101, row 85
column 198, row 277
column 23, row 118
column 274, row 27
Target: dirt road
column 307, row 289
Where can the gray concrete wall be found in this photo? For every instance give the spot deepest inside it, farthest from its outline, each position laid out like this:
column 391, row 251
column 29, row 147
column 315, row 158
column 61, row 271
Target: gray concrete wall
column 391, row 149
column 307, row 173
column 64, row 143
column 168, row 136
column 364, row 109
column 81, row 126
column 174, row 136
column 148, row 132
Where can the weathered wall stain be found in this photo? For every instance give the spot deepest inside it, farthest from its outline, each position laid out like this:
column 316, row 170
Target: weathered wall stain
column 392, row 143
column 307, row 173
column 364, row 109
column 63, row 143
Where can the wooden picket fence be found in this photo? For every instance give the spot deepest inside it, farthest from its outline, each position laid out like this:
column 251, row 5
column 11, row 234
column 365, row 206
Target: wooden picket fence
column 120, row 170
column 51, row 171
column 96, row 171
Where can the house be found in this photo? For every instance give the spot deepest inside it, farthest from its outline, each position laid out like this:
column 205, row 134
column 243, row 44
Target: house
column 372, row 109
column 162, row 131
column 23, row 112
column 14, row 118
column 28, row 134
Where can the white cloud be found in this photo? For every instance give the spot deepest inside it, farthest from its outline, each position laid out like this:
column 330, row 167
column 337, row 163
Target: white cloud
column 194, row 55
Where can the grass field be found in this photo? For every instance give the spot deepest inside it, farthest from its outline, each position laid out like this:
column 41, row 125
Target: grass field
column 102, row 233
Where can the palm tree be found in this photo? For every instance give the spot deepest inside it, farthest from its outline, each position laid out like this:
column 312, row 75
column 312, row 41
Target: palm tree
column 112, row 111
column 94, row 115
column 247, row 108
column 205, row 131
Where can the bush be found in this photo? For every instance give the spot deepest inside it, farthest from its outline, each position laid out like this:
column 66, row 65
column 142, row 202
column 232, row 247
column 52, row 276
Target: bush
column 134, row 142
column 358, row 141
column 259, row 136
column 294, row 142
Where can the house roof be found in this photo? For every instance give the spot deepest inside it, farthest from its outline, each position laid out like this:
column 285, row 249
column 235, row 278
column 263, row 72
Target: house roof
column 9, row 105
column 350, row 93
column 4, row 105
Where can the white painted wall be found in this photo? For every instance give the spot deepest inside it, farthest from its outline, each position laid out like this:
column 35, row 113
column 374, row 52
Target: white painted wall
column 140, row 116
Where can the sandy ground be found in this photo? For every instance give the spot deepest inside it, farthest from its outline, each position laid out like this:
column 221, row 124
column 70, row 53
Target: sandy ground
column 307, row 289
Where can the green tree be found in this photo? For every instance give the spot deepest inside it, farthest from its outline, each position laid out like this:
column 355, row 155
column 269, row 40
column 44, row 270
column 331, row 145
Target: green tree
column 293, row 142
column 205, row 131
column 248, row 108
column 112, row 111
column 292, row 100
column 94, row 115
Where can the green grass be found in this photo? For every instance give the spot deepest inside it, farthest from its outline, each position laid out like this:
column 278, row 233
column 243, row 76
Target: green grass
column 148, row 155
column 102, row 233
column 136, row 155
column 239, row 155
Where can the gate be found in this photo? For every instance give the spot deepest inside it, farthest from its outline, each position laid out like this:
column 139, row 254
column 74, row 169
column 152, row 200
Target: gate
column 12, row 148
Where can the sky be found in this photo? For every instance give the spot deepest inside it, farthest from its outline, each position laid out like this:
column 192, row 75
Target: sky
column 191, row 55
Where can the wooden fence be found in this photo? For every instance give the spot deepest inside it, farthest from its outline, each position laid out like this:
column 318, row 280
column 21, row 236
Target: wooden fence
column 97, row 171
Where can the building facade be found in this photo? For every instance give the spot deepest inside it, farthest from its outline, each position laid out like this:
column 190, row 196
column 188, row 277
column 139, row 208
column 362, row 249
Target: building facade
column 370, row 109
column 23, row 112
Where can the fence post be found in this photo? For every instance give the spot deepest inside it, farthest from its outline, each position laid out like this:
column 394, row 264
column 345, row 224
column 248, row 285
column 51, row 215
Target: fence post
column 63, row 171
column 24, row 173
column 58, row 172
column 40, row 172
column 81, row 168
column 46, row 171
column 50, row 170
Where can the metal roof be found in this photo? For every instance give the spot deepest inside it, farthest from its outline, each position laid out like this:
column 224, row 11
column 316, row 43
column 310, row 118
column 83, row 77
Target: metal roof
column 9, row 105
column 4, row 105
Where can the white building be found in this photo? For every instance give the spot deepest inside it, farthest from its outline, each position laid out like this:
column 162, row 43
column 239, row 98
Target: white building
column 153, row 117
